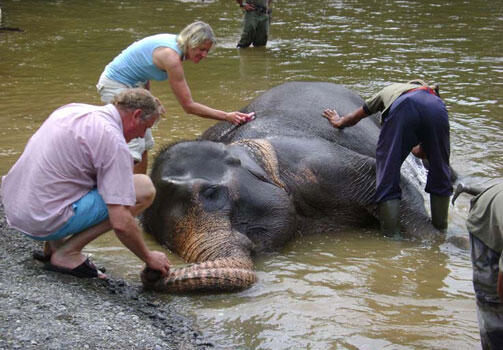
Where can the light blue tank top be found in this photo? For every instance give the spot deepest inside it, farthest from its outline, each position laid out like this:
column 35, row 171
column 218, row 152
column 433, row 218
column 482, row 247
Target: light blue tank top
column 134, row 64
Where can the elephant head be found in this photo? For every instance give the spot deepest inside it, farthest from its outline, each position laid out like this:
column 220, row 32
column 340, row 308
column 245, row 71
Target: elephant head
column 215, row 207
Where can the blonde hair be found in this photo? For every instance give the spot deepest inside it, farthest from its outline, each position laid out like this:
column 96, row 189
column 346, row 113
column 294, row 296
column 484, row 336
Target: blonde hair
column 194, row 35
column 139, row 98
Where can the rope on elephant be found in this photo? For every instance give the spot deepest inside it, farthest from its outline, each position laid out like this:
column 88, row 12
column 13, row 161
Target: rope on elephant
column 263, row 152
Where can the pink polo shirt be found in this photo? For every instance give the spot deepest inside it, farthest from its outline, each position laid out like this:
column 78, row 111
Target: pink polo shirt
column 77, row 148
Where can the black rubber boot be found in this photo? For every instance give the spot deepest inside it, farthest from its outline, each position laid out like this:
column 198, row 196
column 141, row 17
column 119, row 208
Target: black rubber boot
column 389, row 216
column 439, row 211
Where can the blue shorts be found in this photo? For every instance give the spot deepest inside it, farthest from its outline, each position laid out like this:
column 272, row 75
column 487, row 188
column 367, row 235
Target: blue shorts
column 88, row 211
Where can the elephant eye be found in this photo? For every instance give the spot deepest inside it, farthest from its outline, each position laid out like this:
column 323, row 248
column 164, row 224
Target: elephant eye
column 214, row 197
column 210, row 192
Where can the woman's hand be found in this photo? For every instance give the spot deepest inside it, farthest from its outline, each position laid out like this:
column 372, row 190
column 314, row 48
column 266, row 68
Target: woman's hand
column 238, row 118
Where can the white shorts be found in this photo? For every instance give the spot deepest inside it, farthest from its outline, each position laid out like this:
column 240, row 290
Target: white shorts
column 108, row 88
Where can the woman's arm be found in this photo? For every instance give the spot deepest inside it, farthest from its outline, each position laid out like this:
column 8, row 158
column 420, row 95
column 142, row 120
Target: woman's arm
column 169, row 60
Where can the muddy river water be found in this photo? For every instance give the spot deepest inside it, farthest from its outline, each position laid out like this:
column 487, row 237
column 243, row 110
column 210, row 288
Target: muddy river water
column 354, row 290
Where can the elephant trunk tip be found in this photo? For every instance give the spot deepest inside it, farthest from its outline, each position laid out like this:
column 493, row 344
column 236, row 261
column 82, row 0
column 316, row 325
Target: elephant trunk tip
column 149, row 277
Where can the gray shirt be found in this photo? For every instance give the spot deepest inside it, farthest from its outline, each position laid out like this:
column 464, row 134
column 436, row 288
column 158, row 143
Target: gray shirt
column 485, row 220
column 382, row 101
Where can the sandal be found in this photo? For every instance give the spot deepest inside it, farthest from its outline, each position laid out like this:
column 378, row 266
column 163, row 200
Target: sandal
column 84, row 270
column 40, row 256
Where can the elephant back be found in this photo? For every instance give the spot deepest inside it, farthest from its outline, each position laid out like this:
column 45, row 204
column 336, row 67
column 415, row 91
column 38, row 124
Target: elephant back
column 295, row 109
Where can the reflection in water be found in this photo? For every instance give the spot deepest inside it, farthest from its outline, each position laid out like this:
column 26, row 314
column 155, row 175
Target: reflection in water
column 255, row 65
column 353, row 290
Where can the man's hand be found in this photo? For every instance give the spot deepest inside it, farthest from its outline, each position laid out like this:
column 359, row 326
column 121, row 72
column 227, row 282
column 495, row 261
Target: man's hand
column 249, row 7
column 418, row 152
column 158, row 261
column 334, row 118
column 348, row 120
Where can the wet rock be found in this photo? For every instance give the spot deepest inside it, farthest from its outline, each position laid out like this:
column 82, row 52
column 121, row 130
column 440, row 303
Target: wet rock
column 45, row 310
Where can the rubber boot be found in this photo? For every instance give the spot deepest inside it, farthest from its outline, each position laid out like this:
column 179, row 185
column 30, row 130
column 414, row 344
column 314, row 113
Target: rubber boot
column 389, row 216
column 439, row 211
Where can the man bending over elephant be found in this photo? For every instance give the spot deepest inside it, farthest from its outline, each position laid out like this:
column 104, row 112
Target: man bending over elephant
column 485, row 224
column 74, row 181
column 415, row 119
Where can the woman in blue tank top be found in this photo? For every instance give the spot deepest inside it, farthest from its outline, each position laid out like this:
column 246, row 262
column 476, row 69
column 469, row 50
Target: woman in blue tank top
column 159, row 57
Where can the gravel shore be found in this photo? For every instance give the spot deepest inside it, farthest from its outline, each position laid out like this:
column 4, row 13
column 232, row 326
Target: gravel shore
column 47, row 310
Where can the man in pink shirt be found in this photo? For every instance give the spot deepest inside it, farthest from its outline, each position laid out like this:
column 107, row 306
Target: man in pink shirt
column 74, row 182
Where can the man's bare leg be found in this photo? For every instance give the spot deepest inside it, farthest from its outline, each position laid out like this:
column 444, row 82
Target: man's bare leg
column 68, row 252
column 52, row 246
column 145, row 193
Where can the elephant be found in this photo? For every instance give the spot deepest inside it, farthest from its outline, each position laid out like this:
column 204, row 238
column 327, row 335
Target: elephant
column 239, row 191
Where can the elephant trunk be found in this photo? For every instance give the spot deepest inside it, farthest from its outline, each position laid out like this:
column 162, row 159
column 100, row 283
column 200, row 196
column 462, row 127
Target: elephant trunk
column 201, row 236
column 221, row 257
column 220, row 275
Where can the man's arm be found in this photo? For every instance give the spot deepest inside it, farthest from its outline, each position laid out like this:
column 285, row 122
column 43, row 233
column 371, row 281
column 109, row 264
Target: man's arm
column 128, row 232
column 348, row 120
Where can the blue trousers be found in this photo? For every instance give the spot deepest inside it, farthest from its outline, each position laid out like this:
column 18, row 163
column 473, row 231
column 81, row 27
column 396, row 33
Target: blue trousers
column 415, row 117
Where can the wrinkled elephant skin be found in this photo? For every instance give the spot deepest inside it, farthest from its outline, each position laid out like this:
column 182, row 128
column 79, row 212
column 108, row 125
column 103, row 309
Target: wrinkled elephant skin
column 243, row 190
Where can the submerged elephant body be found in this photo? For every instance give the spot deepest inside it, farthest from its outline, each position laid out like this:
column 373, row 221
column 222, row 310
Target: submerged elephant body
column 243, row 190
